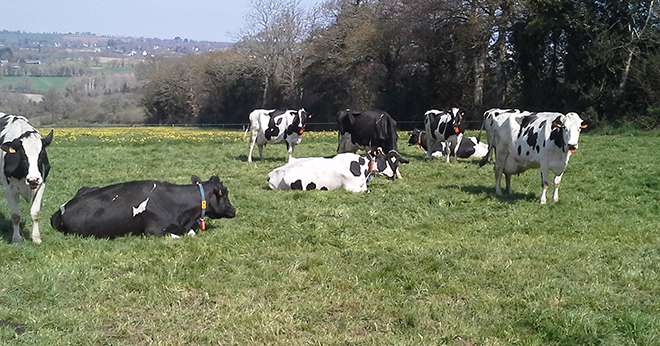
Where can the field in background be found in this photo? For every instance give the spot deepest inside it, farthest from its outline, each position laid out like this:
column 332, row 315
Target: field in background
column 434, row 258
column 33, row 84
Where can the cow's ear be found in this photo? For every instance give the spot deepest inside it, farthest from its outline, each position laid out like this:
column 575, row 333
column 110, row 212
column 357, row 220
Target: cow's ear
column 47, row 140
column 8, row 148
column 214, row 179
column 195, row 179
column 557, row 123
column 584, row 124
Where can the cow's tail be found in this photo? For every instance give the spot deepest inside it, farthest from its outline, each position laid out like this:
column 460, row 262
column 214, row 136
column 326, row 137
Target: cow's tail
column 247, row 129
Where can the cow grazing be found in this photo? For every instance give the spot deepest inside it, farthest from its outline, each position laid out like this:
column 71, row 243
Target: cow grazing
column 347, row 170
column 143, row 207
column 369, row 130
column 468, row 148
column 274, row 126
column 494, row 119
column 445, row 127
column 545, row 140
column 25, row 168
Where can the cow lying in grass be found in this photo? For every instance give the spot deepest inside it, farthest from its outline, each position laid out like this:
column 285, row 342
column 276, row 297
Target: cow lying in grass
column 468, row 148
column 349, row 171
column 143, row 207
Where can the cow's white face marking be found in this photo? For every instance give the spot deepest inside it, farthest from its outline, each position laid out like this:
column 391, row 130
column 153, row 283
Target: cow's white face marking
column 62, row 209
column 140, row 208
column 32, row 147
column 572, row 123
column 115, row 197
column 191, row 233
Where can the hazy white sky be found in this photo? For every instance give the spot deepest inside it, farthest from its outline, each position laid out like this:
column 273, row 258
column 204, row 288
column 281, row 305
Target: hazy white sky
column 214, row 20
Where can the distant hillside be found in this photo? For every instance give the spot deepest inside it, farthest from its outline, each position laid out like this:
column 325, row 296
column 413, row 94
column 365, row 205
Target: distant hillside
column 36, row 43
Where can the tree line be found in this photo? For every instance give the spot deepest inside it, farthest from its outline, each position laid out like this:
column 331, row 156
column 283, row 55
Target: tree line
column 598, row 58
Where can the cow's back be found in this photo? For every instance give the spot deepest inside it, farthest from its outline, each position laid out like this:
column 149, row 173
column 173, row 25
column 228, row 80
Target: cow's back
column 106, row 212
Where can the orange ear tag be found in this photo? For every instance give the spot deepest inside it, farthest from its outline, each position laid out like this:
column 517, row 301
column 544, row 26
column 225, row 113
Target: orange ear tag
column 202, row 224
column 457, row 130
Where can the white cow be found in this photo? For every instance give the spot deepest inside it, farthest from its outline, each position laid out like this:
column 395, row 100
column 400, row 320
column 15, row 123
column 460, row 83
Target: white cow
column 25, row 167
column 545, row 140
column 273, row 126
column 494, row 119
column 443, row 127
column 349, row 171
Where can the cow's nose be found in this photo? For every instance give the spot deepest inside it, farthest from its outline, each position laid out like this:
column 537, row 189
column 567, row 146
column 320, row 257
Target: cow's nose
column 33, row 182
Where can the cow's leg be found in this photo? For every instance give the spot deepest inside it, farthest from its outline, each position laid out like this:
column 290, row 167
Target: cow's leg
column 498, row 179
column 448, row 150
column 429, row 146
column 254, row 140
column 261, row 152
column 12, row 201
column 544, row 184
column 555, row 193
column 507, row 178
column 289, row 149
column 34, row 213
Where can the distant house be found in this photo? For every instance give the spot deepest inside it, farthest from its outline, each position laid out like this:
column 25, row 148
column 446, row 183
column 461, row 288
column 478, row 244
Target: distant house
column 32, row 62
column 4, row 62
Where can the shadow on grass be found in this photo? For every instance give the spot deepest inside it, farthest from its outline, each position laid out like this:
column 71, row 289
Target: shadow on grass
column 490, row 191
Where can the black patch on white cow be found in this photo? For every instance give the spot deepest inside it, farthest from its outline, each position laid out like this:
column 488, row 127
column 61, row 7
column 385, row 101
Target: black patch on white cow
column 557, row 136
column 310, row 186
column 361, row 161
column 532, row 137
column 355, row 168
column 542, row 124
column 526, row 120
column 519, row 149
column 323, row 188
column 296, row 185
column 466, row 149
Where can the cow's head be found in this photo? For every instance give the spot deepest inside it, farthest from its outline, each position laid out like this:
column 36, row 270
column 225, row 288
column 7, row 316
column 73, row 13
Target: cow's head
column 388, row 164
column 415, row 137
column 569, row 127
column 217, row 198
column 297, row 126
column 26, row 158
column 457, row 116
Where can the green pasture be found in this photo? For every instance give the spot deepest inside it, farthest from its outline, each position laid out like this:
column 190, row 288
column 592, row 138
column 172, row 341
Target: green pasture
column 35, row 84
column 435, row 258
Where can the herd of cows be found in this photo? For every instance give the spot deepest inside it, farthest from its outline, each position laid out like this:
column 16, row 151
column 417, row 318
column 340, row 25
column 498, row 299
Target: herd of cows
column 520, row 140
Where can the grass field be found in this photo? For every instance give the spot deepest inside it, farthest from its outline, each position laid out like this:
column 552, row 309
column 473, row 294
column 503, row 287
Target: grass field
column 434, row 258
column 36, row 84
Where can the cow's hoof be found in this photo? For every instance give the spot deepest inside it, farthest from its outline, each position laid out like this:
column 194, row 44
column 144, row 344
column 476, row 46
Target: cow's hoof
column 191, row 233
column 36, row 240
column 543, row 202
column 16, row 240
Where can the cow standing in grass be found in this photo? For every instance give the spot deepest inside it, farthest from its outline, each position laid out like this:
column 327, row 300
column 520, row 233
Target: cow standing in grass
column 443, row 127
column 495, row 118
column 545, row 140
column 274, row 126
column 25, row 168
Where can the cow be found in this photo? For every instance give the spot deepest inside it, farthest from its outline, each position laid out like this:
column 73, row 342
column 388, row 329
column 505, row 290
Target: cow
column 493, row 119
column 443, row 127
column 274, row 126
column 346, row 170
column 546, row 140
column 368, row 130
column 25, row 168
column 143, row 207
column 469, row 147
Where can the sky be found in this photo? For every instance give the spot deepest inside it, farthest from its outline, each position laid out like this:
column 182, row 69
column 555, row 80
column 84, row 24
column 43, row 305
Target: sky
column 211, row 20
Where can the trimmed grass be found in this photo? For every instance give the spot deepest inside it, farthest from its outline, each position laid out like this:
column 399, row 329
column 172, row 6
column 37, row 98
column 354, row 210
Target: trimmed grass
column 36, row 84
column 434, row 258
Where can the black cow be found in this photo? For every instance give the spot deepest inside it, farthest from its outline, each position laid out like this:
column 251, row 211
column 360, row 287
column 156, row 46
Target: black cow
column 143, row 207
column 370, row 130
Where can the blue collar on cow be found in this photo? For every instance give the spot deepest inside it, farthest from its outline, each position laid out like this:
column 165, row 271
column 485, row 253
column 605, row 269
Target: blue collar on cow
column 202, row 221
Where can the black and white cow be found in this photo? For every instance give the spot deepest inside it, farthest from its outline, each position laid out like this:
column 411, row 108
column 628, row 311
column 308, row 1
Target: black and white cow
column 469, row 147
column 25, row 168
column 347, row 170
column 545, row 140
column 368, row 130
column 445, row 127
column 143, row 207
column 495, row 118
column 274, row 126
